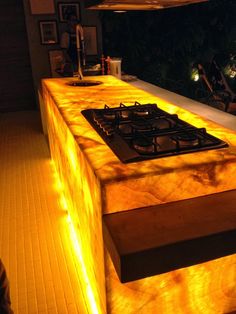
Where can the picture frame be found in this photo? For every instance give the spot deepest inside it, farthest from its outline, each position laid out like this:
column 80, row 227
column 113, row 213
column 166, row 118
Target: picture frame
column 48, row 32
column 56, row 59
column 90, row 40
column 67, row 8
column 42, row 7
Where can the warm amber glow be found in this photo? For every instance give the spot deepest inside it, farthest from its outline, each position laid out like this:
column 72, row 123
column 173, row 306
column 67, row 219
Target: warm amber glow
column 207, row 288
column 90, row 294
column 76, row 245
column 94, row 182
column 80, row 197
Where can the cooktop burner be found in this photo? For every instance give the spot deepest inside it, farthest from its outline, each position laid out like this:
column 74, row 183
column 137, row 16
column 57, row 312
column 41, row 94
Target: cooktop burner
column 142, row 132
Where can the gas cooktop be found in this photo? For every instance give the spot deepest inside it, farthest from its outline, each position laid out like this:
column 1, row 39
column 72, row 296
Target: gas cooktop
column 142, row 132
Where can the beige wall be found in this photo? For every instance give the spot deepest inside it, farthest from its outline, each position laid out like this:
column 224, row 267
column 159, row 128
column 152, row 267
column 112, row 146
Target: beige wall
column 38, row 52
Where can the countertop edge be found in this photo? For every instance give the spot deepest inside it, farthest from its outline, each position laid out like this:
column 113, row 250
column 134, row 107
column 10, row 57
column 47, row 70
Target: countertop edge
column 222, row 118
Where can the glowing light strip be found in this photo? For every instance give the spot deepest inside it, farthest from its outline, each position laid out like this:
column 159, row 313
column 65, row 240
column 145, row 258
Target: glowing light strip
column 76, row 244
column 78, row 250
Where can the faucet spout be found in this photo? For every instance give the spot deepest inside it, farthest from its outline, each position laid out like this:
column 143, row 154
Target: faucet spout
column 80, row 49
column 80, row 75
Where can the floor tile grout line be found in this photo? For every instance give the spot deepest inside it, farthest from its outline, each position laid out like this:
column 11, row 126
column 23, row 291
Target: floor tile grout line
column 32, row 213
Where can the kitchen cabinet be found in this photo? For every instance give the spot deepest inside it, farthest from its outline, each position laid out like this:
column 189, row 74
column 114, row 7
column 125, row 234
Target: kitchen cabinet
column 96, row 184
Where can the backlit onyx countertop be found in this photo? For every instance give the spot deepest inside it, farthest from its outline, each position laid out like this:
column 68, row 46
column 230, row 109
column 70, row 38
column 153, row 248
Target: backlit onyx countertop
column 148, row 182
column 223, row 118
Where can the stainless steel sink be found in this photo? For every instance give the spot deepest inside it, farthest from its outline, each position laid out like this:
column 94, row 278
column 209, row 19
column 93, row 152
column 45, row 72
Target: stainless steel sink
column 83, row 83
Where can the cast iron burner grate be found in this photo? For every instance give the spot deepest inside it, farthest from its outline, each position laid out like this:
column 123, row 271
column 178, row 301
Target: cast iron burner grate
column 142, row 132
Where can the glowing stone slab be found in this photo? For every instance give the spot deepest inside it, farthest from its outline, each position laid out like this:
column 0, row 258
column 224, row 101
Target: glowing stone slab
column 97, row 183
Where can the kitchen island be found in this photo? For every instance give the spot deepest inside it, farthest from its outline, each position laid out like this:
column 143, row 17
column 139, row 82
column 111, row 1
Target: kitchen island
column 96, row 183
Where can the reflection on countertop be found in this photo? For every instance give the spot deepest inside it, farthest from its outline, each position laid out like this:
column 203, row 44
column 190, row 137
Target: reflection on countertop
column 223, row 118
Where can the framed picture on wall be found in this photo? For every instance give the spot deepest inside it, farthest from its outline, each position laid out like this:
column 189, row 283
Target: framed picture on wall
column 42, row 6
column 65, row 9
column 48, row 32
column 90, row 40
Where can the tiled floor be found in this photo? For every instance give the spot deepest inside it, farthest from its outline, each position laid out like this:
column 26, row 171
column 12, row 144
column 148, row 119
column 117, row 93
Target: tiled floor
column 35, row 243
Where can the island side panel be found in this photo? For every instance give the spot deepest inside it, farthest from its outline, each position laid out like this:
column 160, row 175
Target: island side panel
column 174, row 185
column 82, row 193
column 207, row 288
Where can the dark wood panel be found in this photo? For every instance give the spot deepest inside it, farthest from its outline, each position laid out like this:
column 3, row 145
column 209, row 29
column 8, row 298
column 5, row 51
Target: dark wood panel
column 16, row 87
column 153, row 240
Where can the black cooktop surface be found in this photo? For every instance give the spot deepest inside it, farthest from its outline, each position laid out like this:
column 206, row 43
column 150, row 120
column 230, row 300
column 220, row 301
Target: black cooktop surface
column 142, row 132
